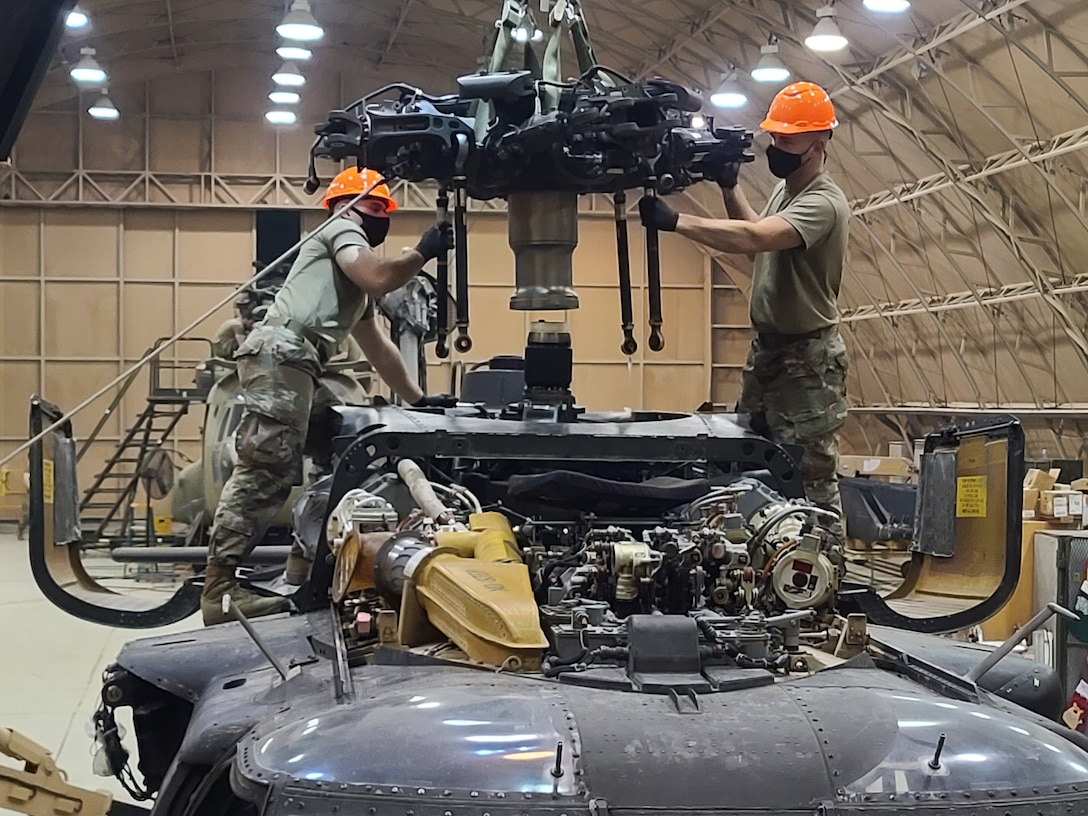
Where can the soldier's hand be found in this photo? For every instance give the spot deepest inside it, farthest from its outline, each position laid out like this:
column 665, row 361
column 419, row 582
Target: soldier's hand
column 435, row 401
column 727, row 175
column 435, row 241
column 656, row 213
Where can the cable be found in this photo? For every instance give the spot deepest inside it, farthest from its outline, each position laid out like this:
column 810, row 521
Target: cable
column 155, row 352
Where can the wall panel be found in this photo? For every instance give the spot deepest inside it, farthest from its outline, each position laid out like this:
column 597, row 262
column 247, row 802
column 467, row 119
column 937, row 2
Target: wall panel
column 81, row 319
column 20, row 254
column 19, row 334
column 81, row 243
column 148, row 244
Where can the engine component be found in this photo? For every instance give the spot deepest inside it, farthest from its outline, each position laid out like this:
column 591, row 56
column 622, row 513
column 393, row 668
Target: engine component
column 422, row 492
column 633, row 566
column 803, row 577
column 472, row 588
column 359, row 511
column 543, row 229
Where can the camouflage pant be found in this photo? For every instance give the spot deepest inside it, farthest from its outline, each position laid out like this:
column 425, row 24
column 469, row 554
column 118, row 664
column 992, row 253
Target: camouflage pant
column 796, row 394
column 278, row 372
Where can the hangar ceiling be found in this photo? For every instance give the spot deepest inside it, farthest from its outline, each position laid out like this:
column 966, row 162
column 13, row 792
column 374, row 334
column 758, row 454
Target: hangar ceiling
column 962, row 149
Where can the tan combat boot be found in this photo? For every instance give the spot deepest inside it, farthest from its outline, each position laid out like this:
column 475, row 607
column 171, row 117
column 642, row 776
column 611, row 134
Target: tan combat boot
column 298, row 568
column 219, row 581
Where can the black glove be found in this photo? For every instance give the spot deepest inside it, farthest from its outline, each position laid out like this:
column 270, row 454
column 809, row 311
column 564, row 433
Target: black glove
column 435, row 401
column 727, row 175
column 656, row 213
column 435, row 241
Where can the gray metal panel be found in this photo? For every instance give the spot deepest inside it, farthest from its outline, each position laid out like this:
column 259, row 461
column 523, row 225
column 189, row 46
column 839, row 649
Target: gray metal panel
column 65, row 492
column 935, row 522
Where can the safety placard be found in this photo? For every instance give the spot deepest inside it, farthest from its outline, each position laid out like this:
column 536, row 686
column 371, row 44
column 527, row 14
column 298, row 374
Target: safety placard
column 47, row 480
column 971, row 497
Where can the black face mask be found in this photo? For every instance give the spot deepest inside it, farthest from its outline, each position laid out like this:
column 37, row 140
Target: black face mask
column 375, row 229
column 784, row 164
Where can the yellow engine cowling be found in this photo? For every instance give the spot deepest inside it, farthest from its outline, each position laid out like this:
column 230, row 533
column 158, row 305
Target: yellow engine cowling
column 474, row 588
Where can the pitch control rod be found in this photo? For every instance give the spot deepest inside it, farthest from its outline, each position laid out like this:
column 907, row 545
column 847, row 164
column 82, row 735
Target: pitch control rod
column 653, row 278
column 623, row 253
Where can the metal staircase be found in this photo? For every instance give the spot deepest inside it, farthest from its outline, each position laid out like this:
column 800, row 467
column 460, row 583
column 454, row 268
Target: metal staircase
column 106, row 509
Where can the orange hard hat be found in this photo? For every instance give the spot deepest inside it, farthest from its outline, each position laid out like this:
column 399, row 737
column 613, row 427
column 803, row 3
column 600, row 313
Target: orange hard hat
column 353, row 181
column 803, row 107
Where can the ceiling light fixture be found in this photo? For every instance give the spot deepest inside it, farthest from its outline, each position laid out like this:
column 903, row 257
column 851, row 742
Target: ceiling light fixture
column 770, row 67
column 103, row 108
column 289, row 76
column 281, row 117
column 697, row 121
column 826, row 36
column 729, row 93
column 294, row 52
column 284, row 97
column 887, row 6
column 76, row 19
column 299, row 24
column 87, row 71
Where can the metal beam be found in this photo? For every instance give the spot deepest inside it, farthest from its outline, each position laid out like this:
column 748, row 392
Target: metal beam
column 953, row 409
column 406, row 6
column 1069, row 142
column 938, row 36
column 961, row 300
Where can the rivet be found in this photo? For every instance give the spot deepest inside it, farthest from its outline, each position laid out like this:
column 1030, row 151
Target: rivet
column 420, row 791
column 395, row 789
column 447, row 793
column 474, row 794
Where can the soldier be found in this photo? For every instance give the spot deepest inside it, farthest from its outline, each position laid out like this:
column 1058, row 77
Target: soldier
column 794, row 382
column 329, row 292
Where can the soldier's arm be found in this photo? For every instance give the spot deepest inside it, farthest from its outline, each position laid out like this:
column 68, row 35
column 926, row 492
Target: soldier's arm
column 376, row 275
column 386, row 359
column 770, row 234
column 736, row 204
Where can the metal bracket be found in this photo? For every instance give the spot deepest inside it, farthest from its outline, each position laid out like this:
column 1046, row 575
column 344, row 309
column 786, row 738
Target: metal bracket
column 41, row 788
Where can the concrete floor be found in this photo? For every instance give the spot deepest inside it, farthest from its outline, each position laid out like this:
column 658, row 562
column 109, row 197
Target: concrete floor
column 50, row 665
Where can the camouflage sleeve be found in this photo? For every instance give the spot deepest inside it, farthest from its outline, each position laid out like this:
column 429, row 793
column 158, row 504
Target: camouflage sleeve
column 812, row 215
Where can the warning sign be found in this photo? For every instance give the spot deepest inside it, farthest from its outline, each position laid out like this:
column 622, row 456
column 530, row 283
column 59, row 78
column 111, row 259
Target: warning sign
column 47, row 480
column 971, row 497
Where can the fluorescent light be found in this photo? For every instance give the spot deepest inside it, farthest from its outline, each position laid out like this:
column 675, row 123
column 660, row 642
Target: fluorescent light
column 289, row 76
column 299, row 24
column 826, row 35
column 698, row 121
column 284, row 97
column 294, row 52
column 770, row 67
column 76, row 19
column 103, row 108
column 729, row 93
column 887, row 6
column 281, row 117
column 87, row 71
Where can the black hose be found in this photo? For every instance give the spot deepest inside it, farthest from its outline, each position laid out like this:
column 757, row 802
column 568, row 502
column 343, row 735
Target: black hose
column 554, row 666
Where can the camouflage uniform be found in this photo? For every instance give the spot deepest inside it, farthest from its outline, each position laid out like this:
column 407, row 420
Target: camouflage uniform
column 279, row 365
column 794, row 381
column 794, row 387
column 278, row 371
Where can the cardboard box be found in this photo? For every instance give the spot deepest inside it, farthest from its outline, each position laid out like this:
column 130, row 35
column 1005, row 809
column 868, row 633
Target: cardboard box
column 1056, row 503
column 1041, row 480
column 1031, row 503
